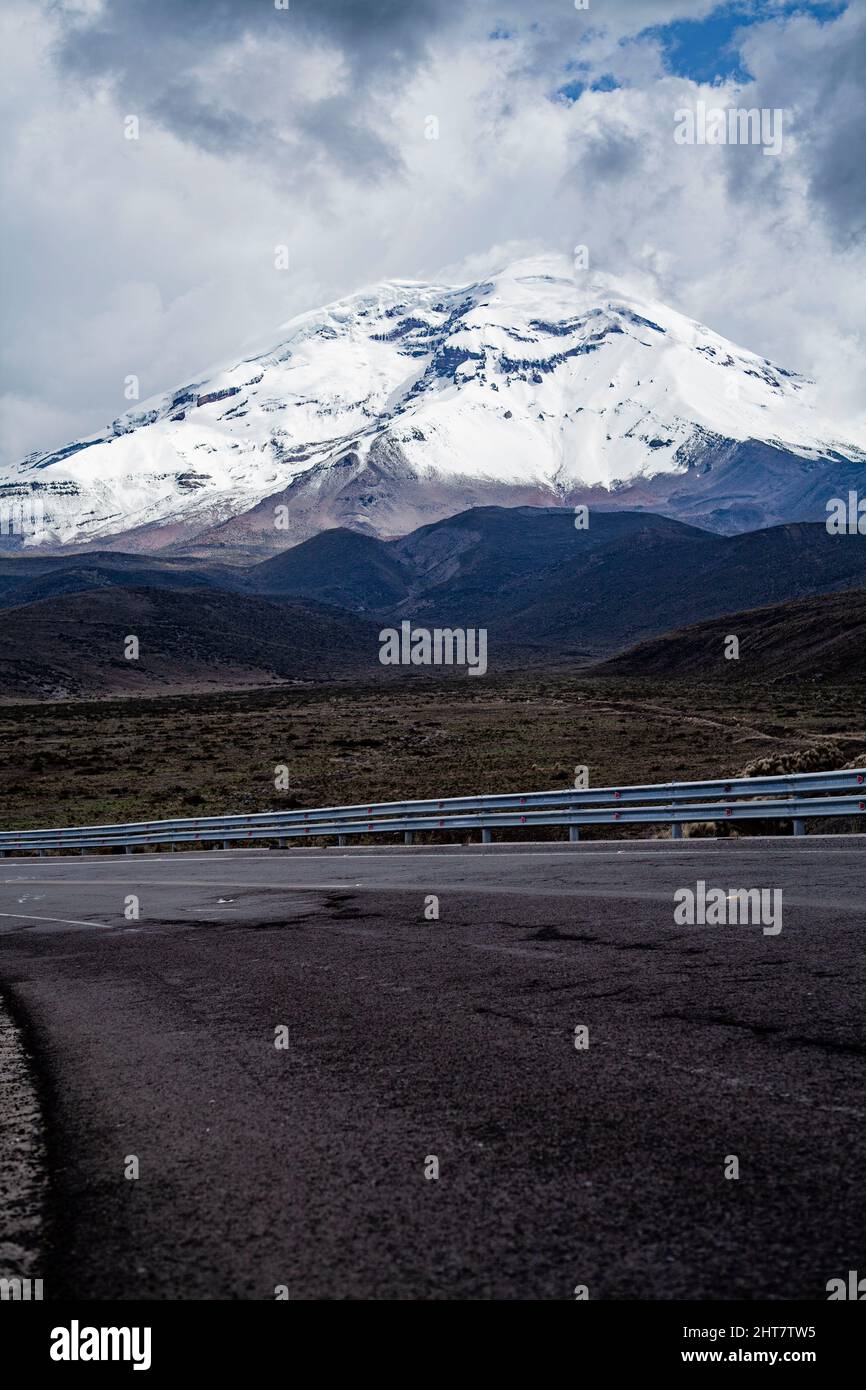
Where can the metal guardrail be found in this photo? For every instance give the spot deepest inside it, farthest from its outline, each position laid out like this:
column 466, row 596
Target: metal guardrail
column 744, row 798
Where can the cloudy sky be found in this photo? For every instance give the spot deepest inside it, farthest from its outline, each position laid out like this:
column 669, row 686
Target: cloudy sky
column 309, row 126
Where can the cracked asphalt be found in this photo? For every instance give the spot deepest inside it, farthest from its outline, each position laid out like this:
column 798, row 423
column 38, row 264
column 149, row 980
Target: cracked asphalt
column 412, row 1038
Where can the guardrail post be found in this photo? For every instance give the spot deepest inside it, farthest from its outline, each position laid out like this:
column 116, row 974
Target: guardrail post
column 486, row 837
column 281, row 844
column 676, row 831
column 799, row 826
column 341, row 839
column 573, row 833
column 408, row 837
column 127, row 849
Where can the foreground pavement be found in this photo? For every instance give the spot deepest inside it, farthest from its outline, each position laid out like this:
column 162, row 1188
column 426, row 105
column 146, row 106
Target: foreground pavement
column 416, row 1043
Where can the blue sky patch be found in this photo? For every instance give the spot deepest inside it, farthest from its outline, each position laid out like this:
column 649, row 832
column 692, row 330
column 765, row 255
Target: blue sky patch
column 706, row 50
column 574, row 90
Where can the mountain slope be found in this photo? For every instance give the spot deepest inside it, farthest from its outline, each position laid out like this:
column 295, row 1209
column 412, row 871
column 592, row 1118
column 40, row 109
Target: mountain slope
column 201, row 639
column 337, row 566
column 650, row 583
column 821, row 638
column 549, row 595
column 410, row 402
column 85, row 578
column 489, row 554
column 549, row 592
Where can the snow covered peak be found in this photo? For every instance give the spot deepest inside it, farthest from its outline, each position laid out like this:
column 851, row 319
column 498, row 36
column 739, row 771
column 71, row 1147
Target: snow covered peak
column 540, row 378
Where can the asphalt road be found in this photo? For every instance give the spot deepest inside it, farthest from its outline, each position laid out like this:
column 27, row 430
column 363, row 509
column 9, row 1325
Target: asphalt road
column 411, row 1038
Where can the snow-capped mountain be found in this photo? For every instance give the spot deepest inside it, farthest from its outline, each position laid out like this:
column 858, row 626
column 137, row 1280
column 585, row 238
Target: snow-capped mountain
column 408, row 402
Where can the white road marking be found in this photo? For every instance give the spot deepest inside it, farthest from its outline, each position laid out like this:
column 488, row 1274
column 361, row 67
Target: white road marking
column 194, row 883
column 66, row 921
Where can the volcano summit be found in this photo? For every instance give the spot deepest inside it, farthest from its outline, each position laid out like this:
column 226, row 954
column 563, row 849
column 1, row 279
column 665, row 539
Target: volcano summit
column 409, row 402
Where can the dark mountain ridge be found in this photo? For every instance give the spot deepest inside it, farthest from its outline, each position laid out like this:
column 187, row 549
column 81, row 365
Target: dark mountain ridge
column 548, row 592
